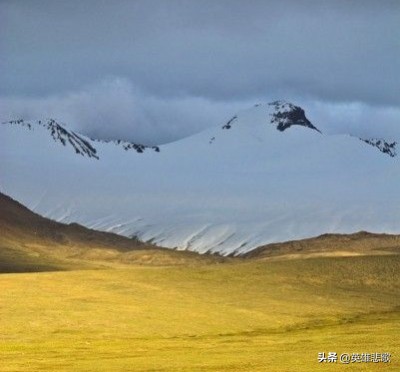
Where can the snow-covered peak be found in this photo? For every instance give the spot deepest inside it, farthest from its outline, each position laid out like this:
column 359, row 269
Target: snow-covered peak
column 60, row 134
column 81, row 144
column 280, row 114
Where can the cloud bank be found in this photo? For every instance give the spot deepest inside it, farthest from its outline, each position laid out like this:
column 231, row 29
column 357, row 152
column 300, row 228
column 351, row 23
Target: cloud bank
column 115, row 109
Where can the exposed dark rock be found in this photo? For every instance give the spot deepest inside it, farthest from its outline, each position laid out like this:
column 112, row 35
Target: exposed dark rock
column 139, row 148
column 287, row 114
column 228, row 125
column 388, row 148
column 62, row 135
column 19, row 122
column 81, row 146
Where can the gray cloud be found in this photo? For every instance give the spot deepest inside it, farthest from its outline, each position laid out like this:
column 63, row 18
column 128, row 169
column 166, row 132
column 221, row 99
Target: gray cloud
column 184, row 64
column 335, row 50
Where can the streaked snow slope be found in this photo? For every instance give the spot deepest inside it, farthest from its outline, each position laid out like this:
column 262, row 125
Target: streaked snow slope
column 226, row 189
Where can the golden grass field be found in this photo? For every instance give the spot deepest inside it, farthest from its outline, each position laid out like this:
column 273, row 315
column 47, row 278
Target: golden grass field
column 261, row 313
column 247, row 316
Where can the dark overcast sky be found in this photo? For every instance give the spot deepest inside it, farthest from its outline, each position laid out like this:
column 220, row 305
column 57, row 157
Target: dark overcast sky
column 154, row 71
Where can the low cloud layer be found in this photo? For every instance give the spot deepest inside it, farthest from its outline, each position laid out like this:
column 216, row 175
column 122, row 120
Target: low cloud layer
column 356, row 119
column 114, row 109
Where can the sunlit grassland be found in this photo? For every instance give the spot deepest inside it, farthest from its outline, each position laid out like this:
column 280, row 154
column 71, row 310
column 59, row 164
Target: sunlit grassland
column 245, row 316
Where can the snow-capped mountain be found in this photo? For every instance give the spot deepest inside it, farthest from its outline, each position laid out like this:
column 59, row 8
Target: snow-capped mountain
column 267, row 175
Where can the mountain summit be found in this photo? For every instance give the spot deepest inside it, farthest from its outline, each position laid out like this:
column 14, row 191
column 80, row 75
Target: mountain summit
column 267, row 175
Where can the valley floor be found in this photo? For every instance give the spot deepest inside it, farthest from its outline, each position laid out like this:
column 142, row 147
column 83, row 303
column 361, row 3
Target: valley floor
column 255, row 315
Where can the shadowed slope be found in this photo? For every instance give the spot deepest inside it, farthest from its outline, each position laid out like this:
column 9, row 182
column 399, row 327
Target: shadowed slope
column 29, row 242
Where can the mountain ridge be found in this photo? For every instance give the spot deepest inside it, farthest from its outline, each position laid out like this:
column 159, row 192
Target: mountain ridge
column 271, row 176
column 82, row 144
column 284, row 116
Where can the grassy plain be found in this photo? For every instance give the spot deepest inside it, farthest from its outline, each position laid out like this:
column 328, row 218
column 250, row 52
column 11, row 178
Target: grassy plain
column 255, row 315
column 73, row 299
